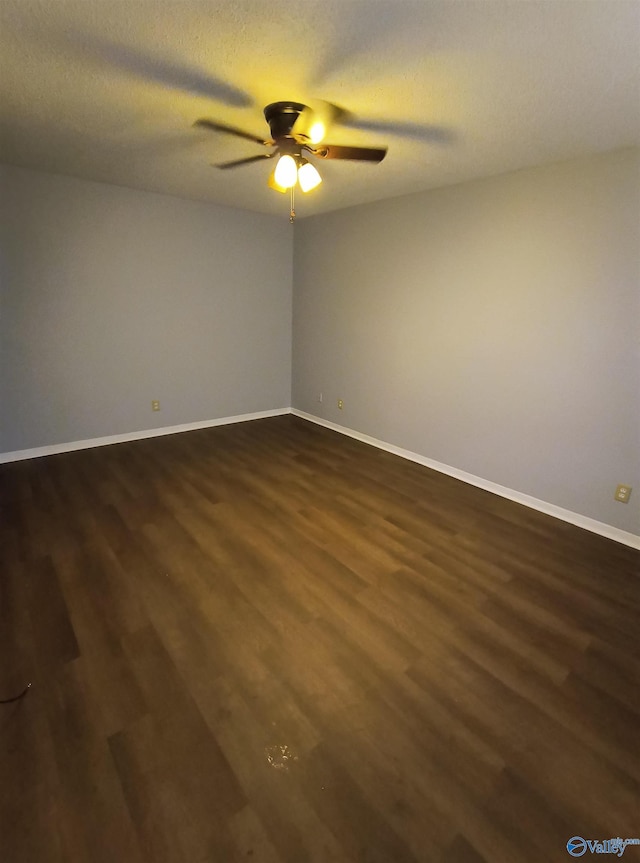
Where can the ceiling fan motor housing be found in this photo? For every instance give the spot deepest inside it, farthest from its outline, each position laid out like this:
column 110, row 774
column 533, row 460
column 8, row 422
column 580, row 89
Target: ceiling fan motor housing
column 281, row 116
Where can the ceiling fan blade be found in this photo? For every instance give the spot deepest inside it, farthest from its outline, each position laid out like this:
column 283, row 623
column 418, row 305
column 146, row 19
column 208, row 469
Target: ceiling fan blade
column 237, row 162
column 230, row 130
column 430, row 134
column 147, row 66
column 359, row 154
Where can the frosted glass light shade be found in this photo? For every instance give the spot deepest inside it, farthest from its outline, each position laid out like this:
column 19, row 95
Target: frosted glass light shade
column 271, row 182
column 286, row 172
column 308, row 177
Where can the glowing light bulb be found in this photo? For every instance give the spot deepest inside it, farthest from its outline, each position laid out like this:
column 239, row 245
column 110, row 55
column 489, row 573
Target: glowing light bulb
column 286, row 172
column 308, row 177
column 317, row 132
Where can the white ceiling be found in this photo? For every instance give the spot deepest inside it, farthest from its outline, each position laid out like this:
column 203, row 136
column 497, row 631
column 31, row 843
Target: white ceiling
column 109, row 89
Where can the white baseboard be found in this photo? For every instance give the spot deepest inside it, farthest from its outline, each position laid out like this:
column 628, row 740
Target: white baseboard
column 567, row 515
column 54, row 449
column 591, row 524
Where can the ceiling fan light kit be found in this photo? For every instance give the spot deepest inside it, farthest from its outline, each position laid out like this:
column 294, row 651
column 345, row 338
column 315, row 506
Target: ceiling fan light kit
column 295, row 128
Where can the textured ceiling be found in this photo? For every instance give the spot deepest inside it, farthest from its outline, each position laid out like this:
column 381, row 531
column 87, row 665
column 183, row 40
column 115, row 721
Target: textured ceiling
column 109, row 90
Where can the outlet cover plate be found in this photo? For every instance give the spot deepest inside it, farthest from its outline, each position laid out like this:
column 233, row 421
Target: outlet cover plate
column 623, row 493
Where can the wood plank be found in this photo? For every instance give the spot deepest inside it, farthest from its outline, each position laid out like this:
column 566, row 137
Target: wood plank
column 452, row 678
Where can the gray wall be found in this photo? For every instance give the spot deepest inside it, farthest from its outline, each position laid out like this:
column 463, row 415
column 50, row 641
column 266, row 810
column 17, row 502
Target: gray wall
column 110, row 298
column 492, row 326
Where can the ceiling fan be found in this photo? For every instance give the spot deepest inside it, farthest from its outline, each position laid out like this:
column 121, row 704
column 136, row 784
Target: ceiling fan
column 296, row 130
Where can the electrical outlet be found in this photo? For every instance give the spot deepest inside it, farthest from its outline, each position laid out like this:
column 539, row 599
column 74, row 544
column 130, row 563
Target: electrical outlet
column 155, row 405
column 340, row 404
column 623, row 493
column 320, row 397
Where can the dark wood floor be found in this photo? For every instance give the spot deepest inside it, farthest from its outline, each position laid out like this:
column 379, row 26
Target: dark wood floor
column 269, row 642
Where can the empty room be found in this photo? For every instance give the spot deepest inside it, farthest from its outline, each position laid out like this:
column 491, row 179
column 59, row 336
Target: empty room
column 319, row 431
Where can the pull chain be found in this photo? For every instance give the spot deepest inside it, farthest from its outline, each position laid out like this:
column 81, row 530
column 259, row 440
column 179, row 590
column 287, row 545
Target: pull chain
column 292, row 214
